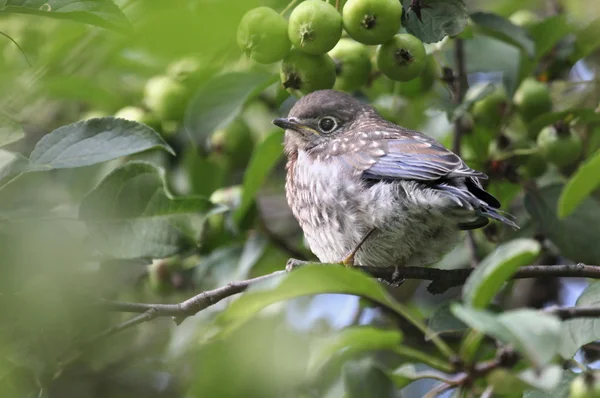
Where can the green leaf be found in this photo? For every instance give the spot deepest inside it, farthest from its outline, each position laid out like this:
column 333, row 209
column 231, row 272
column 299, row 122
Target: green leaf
column 487, row 54
column 310, row 280
column 351, row 342
column 580, row 186
column 130, row 214
column 93, row 141
column 407, row 373
column 10, row 132
column 578, row 332
column 439, row 18
column 577, row 235
column 365, row 379
column 103, row 13
column 220, row 100
column 501, row 28
column 443, row 321
column 559, row 391
column 264, row 157
column 534, row 334
column 587, row 40
column 580, row 115
column 506, row 381
column 548, row 32
column 488, row 278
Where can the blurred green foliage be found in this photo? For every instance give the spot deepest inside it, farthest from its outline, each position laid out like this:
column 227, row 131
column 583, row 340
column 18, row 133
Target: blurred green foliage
column 138, row 163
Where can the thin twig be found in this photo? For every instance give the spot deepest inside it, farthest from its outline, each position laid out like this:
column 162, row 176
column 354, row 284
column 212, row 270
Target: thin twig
column 459, row 88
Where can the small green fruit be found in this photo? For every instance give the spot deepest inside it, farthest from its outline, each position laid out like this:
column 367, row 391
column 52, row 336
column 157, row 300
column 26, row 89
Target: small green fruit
column 235, row 142
column 532, row 99
column 263, row 35
column 315, row 27
column 139, row 115
column 524, row 18
column 423, row 83
column 189, row 71
column 535, row 165
column 561, row 149
column 372, row 21
column 303, row 73
column 491, row 109
column 352, row 65
column 166, row 97
column 402, row 58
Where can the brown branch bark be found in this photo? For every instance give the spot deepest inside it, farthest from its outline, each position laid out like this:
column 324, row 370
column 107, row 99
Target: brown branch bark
column 441, row 280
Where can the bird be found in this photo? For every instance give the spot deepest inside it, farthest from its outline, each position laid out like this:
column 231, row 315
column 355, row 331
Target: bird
column 368, row 192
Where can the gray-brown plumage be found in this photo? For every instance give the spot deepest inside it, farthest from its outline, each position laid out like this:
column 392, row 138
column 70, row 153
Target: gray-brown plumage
column 351, row 174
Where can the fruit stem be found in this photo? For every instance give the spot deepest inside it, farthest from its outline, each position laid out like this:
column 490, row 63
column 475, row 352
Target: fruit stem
column 562, row 129
column 290, row 5
column 337, row 5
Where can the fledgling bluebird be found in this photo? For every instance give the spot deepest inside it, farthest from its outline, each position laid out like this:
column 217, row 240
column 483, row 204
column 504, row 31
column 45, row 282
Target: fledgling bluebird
column 369, row 192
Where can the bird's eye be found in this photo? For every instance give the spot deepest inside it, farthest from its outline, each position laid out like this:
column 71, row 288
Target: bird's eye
column 327, row 124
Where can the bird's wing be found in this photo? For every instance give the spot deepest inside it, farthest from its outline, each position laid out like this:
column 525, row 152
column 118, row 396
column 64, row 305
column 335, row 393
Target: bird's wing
column 408, row 157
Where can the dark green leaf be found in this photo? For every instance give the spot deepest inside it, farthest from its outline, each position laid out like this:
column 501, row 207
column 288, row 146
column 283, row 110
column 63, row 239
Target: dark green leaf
column 93, row 141
column 104, row 13
column 10, row 132
column 577, row 235
column 578, row 332
column 130, row 214
column 560, row 391
column 580, row 186
column 548, row 32
column 221, row 99
column 439, row 18
column 351, row 342
column 364, row 379
column 501, row 28
column 443, row 320
column 264, row 158
column 534, row 334
column 497, row 268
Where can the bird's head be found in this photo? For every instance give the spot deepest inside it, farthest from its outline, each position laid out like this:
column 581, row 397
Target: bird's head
column 320, row 116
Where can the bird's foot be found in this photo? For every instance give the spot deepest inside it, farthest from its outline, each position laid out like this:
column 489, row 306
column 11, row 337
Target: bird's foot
column 348, row 260
column 294, row 263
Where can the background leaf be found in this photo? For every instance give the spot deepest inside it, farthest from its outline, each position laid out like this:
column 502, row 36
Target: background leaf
column 585, row 180
column 10, row 132
column 104, row 13
column 578, row 332
column 534, row 334
column 576, row 235
column 264, row 158
column 439, row 18
column 496, row 26
column 220, row 100
column 93, row 141
column 490, row 275
column 130, row 214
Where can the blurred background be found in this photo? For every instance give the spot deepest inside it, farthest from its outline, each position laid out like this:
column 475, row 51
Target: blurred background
column 159, row 63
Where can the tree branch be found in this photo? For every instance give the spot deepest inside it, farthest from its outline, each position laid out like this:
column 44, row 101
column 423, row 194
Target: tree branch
column 441, row 280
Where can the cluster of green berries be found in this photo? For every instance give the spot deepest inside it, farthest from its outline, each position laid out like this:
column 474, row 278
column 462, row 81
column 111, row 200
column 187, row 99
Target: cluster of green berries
column 556, row 144
column 315, row 56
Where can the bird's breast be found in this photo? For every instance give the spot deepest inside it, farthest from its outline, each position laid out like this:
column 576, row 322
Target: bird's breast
column 328, row 202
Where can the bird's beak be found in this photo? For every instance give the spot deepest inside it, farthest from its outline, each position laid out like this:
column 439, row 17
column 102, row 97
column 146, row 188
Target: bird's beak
column 293, row 124
column 285, row 123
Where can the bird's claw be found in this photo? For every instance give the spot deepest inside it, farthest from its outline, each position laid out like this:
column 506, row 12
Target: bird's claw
column 294, row 263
